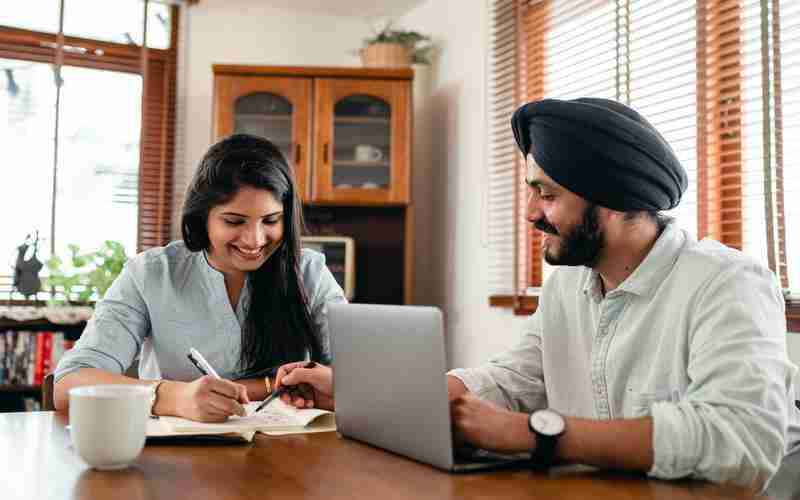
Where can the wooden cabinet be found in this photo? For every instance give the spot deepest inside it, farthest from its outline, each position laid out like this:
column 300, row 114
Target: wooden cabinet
column 346, row 132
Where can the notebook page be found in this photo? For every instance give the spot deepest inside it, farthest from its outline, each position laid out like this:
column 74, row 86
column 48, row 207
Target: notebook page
column 163, row 427
column 276, row 416
column 279, row 414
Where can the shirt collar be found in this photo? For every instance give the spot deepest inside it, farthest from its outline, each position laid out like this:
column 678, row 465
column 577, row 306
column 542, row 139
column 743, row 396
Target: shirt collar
column 208, row 269
column 591, row 285
column 650, row 272
column 217, row 280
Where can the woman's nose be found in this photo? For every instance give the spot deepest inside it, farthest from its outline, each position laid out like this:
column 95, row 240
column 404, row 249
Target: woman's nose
column 254, row 236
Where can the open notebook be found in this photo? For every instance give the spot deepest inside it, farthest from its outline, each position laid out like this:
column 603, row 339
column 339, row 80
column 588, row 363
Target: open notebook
column 276, row 419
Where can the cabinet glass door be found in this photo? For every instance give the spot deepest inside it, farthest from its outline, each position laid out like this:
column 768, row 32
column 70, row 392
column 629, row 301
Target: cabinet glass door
column 363, row 151
column 362, row 139
column 278, row 109
column 266, row 115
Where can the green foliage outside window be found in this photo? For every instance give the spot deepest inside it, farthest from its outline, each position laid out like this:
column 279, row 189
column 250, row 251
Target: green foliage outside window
column 85, row 276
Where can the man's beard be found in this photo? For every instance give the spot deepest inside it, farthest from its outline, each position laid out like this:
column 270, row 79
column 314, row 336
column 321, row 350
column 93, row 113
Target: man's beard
column 579, row 247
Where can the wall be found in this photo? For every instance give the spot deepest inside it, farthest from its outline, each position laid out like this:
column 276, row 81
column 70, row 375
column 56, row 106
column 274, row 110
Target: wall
column 449, row 172
column 246, row 32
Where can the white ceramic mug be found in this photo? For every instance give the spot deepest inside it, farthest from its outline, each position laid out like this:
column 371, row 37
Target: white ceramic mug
column 367, row 152
column 108, row 423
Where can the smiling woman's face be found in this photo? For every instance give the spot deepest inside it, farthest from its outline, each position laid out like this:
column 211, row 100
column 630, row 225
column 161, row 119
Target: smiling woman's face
column 245, row 231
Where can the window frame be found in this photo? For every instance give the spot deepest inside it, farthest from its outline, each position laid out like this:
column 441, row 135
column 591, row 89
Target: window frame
column 158, row 68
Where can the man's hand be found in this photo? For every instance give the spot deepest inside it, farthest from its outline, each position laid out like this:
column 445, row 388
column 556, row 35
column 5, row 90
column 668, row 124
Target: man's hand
column 485, row 425
column 455, row 388
column 314, row 385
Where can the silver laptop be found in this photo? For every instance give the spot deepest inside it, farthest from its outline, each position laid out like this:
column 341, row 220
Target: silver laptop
column 390, row 385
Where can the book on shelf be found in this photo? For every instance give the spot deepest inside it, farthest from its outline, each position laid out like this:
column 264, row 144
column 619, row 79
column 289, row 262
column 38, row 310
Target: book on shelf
column 26, row 357
column 32, row 404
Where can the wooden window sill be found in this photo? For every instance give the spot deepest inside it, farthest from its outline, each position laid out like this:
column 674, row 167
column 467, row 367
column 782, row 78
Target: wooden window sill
column 523, row 306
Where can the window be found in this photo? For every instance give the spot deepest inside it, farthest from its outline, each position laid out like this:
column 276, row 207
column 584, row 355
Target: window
column 87, row 119
column 716, row 77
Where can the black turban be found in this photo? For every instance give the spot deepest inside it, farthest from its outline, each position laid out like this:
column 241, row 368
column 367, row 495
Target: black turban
column 602, row 151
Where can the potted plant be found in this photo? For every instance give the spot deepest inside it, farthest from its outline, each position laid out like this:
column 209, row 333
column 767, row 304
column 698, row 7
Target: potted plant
column 85, row 276
column 389, row 47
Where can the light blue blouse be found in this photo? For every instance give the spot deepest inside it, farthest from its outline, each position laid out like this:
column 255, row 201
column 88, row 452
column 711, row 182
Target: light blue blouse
column 169, row 299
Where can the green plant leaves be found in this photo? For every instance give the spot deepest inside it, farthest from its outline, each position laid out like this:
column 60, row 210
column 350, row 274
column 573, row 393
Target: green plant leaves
column 419, row 44
column 91, row 273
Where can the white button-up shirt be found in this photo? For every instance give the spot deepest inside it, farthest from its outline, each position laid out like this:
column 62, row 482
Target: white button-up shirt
column 695, row 338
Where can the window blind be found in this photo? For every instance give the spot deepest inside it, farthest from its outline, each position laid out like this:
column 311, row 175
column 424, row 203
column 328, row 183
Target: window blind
column 741, row 186
column 660, row 81
column 157, row 145
column 504, row 167
column 786, row 30
column 715, row 77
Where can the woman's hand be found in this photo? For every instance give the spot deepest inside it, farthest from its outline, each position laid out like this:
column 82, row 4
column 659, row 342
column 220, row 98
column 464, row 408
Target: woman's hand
column 206, row 399
column 314, row 385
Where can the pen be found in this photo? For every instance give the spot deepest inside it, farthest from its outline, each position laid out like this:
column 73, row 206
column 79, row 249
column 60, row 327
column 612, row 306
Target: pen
column 200, row 362
column 204, row 366
column 281, row 391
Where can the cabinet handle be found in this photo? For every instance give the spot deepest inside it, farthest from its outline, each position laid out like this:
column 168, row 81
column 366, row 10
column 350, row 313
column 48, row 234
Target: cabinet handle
column 325, row 153
column 297, row 154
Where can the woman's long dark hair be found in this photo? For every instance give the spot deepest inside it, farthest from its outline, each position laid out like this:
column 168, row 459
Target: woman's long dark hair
column 278, row 326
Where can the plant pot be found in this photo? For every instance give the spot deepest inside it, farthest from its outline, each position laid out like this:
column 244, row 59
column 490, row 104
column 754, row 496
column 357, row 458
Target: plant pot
column 386, row 55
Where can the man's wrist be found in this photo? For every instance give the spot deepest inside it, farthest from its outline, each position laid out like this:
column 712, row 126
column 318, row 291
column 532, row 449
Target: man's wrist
column 516, row 435
column 525, row 438
column 568, row 448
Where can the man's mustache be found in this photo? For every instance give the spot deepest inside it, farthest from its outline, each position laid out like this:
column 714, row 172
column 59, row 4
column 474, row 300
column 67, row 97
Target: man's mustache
column 544, row 226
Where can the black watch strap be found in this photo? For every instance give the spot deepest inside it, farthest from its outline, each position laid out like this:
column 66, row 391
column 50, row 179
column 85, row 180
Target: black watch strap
column 544, row 455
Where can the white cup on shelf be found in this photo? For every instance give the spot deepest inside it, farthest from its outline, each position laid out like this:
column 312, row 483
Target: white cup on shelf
column 108, row 423
column 367, row 152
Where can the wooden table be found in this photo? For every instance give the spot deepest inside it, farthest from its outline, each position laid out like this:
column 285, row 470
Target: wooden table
column 38, row 462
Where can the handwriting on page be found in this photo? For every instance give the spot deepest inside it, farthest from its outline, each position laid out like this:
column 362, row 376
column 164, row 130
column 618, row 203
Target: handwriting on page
column 276, row 414
column 274, row 419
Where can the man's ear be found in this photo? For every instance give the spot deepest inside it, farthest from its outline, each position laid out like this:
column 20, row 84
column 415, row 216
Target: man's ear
column 607, row 215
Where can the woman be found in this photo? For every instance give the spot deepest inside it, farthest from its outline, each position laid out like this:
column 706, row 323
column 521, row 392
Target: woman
column 237, row 288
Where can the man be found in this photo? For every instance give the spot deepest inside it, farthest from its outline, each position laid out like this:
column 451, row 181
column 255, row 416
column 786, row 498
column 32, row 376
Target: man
column 649, row 350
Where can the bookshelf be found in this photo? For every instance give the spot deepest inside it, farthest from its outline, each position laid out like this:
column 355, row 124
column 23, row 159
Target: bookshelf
column 29, row 349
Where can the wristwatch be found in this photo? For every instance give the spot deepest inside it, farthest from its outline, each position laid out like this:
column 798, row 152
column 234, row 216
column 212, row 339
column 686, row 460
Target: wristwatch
column 548, row 426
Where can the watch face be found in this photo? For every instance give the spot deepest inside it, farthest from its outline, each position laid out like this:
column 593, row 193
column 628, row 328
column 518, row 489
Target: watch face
column 547, row 422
